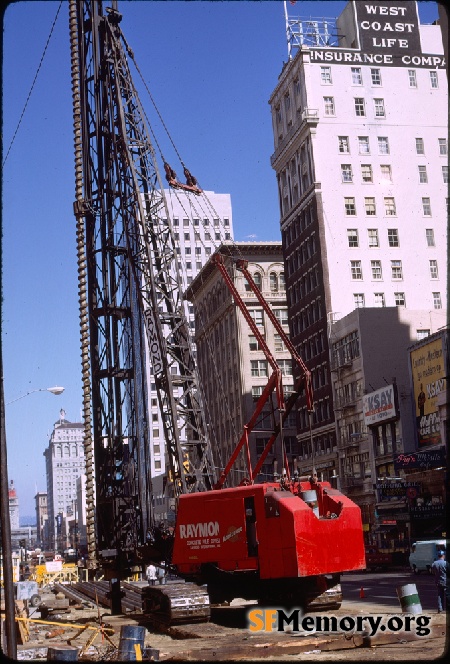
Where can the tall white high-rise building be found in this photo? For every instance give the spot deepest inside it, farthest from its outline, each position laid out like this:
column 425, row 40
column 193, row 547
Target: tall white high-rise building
column 64, row 463
column 360, row 122
column 200, row 224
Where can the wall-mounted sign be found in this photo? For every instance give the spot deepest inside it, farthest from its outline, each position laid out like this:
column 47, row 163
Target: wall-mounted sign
column 424, row 460
column 379, row 406
column 428, row 377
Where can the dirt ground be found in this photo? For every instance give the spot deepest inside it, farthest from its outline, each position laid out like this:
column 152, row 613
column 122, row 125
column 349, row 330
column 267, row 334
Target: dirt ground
column 227, row 638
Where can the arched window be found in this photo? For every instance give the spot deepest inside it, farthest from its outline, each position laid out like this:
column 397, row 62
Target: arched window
column 257, row 279
column 273, row 282
column 281, row 282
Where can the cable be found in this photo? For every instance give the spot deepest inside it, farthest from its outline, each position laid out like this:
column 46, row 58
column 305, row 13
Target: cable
column 32, row 85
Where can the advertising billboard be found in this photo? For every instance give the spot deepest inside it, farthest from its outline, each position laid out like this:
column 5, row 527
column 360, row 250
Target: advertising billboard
column 379, row 406
column 428, row 377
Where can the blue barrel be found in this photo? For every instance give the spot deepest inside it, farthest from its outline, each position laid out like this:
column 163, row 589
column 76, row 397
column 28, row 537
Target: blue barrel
column 409, row 599
column 130, row 635
column 62, row 654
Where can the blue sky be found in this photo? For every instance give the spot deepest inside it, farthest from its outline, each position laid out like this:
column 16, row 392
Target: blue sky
column 211, row 67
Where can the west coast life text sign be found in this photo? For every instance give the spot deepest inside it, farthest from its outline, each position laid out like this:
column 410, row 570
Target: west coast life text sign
column 388, row 36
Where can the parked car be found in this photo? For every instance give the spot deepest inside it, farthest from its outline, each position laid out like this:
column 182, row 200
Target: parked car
column 375, row 559
column 424, row 554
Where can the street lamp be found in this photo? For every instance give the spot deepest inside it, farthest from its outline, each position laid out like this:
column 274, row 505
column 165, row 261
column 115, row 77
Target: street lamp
column 54, row 390
column 10, row 621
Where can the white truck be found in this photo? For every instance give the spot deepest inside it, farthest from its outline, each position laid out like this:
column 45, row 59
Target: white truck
column 424, row 554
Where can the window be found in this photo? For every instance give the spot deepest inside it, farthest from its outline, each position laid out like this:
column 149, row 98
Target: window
column 329, row 105
column 442, row 146
column 397, row 271
column 325, row 75
column 445, row 174
column 393, row 237
column 412, row 78
column 429, row 232
column 257, row 279
column 379, row 300
column 356, row 269
column 379, row 108
column 423, row 177
column 386, row 172
column 422, row 334
column 420, row 147
column 186, row 223
column 434, row 269
column 346, row 173
column 205, row 222
column 434, row 79
column 256, row 392
column 350, row 208
column 376, row 270
column 389, row 206
column 399, row 299
column 273, row 282
column 437, row 302
column 187, row 251
column 363, row 144
column 373, row 237
column 257, row 315
column 186, row 236
column 376, row 76
column 426, row 206
column 369, row 206
column 343, row 144
column 279, row 346
column 281, row 281
column 356, row 76
column 258, row 367
column 358, row 299
column 281, row 315
column 366, row 172
column 207, row 236
column 286, row 367
column 360, row 109
column 352, row 235
column 253, row 342
column 383, row 145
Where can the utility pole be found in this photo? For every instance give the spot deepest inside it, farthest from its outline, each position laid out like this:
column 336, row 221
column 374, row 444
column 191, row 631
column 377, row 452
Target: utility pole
column 10, row 621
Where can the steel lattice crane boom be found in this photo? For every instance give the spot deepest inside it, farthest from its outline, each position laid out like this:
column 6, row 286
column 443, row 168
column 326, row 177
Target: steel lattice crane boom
column 130, row 277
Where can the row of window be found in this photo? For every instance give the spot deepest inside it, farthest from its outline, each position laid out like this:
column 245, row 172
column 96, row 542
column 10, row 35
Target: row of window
column 276, row 282
column 278, row 344
column 396, row 270
column 375, row 77
column 367, row 176
column 259, row 368
column 196, row 222
column 207, row 236
column 392, row 236
column 390, row 209
column 258, row 316
column 383, row 145
column 379, row 110
column 359, row 300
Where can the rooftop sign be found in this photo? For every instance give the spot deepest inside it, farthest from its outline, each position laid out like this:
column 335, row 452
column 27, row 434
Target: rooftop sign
column 388, row 36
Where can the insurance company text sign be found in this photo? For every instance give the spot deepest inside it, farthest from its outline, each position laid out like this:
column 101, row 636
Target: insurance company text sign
column 388, row 36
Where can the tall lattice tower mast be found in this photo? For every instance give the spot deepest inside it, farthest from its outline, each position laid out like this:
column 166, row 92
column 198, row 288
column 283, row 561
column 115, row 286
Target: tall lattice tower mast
column 130, row 294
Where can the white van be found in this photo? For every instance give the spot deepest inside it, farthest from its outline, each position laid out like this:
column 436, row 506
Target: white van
column 424, row 554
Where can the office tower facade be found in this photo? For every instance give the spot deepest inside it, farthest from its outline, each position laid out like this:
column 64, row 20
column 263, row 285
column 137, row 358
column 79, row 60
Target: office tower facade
column 233, row 367
column 64, row 463
column 360, row 135
column 200, row 224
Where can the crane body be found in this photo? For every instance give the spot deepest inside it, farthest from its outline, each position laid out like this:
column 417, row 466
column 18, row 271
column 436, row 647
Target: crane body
column 284, row 541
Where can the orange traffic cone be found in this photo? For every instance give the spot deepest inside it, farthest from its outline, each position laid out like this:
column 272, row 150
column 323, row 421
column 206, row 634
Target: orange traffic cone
column 361, row 593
